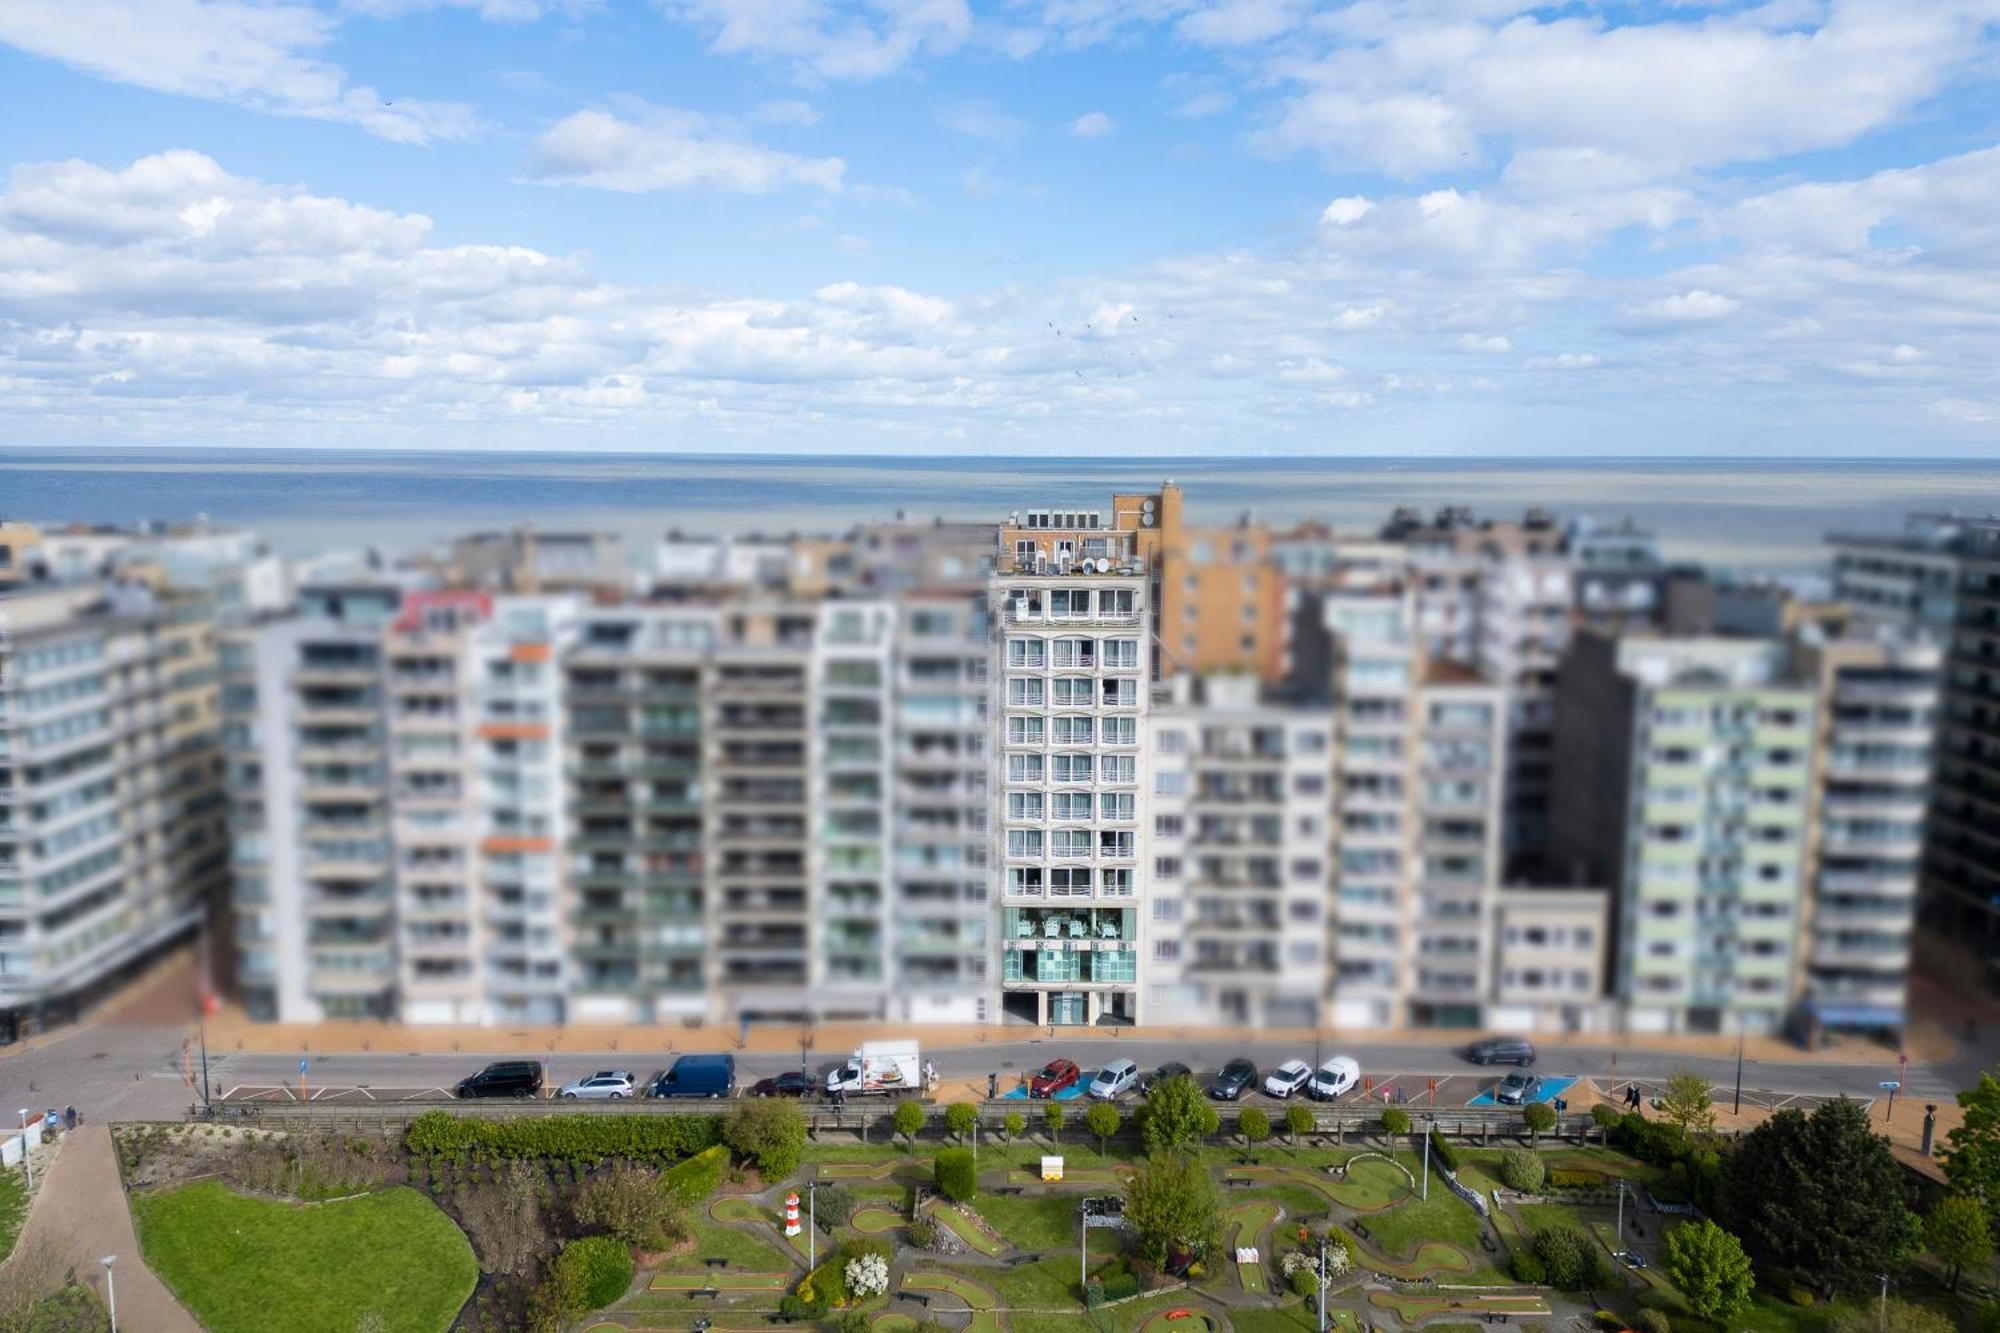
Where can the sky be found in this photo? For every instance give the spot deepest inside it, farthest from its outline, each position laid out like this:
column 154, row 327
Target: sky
column 1077, row 227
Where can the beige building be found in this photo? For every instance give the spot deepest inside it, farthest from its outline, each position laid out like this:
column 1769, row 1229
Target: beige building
column 1549, row 947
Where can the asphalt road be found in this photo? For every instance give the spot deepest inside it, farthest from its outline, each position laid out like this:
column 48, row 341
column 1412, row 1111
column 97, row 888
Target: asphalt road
column 115, row 1071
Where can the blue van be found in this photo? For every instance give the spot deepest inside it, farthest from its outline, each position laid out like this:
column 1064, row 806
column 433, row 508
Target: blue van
column 697, row 1076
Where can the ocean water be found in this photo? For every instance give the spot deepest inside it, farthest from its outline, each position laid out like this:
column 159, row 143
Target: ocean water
column 1748, row 513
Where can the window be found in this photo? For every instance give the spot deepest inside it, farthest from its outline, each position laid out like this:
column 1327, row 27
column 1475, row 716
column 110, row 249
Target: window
column 1069, row 603
column 1170, row 742
column 1309, row 784
column 1027, row 652
column 1024, row 805
column 1121, row 652
column 1025, row 879
column 1024, row 768
column 1071, row 843
column 1073, row 805
column 1117, row 884
column 1073, row 692
column 1121, row 768
column 1116, row 602
column 1116, row 805
column 1024, row 731
column 1024, row 693
column 1169, row 826
column 1071, row 882
column 1072, row 768
column 1120, row 731
column 1076, row 652
column 1166, row 867
column 1024, row 843
column 1116, row 845
column 1169, row 784
column 1075, row 730
column 1121, row 693
column 1166, row 951
column 1166, row 909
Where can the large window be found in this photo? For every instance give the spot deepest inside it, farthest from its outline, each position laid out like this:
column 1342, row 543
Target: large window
column 1023, row 843
column 1072, row 805
column 1075, row 730
column 1120, row 805
column 1024, row 805
column 1072, row 768
column 1024, row 731
column 1121, row 768
column 1073, row 692
column 1076, row 652
column 1121, row 652
column 1025, row 692
column 1027, row 652
column 1024, row 768
column 1121, row 731
column 1071, row 844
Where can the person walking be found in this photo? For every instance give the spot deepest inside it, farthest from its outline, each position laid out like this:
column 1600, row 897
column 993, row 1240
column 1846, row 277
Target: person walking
column 930, row 1076
column 992, row 1086
column 70, row 1119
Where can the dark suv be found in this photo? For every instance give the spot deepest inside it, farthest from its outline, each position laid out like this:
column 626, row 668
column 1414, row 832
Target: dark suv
column 1502, row 1051
column 1232, row 1080
column 505, row 1078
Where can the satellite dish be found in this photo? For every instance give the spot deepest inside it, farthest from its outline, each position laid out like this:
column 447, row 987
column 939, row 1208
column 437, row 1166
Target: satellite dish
column 1146, row 520
column 1103, row 565
column 1146, row 507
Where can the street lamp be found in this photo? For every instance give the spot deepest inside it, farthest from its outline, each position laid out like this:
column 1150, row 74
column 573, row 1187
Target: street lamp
column 26, row 1165
column 1429, row 1121
column 110, row 1289
column 1882, row 1317
column 812, row 1225
column 1621, row 1213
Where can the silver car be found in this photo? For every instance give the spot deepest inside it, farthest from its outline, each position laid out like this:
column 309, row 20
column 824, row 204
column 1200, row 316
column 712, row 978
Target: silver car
column 606, row 1085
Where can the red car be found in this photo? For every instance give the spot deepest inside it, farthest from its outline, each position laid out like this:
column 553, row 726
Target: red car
column 1053, row 1078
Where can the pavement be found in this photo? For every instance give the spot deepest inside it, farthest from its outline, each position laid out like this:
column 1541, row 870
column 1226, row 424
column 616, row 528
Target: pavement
column 80, row 1214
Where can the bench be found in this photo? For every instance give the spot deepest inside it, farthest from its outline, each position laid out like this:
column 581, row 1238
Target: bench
column 1486, row 1244
column 781, row 1319
column 1007, row 1189
column 704, row 1293
column 1361, row 1230
column 1238, row 1182
column 716, row 1263
column 918, row 1297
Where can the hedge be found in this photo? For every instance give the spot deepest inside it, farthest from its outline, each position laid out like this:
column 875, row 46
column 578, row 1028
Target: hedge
column 596, row 1272
column 699, row 1176
column 956, row 1176
column 1443, row 1153
column 567, row 1138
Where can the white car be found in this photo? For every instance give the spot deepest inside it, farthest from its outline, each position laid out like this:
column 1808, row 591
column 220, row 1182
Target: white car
column 1333, row 1079
column 1114, row 1080
column 1287, row 1078
column 606, row 1085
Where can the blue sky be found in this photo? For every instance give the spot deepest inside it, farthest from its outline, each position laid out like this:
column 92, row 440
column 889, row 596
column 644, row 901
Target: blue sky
column 1201, row 226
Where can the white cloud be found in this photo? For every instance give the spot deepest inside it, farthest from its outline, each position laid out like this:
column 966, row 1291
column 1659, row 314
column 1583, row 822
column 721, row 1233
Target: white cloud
column 981, row 119
column 1092, row 125
column 1485, row 342
column 785, row 111
column 1346, row 211
column 1564, row 361
column 1241, row 22
column 825, row 41
column 668, row 149
column 259, row 56
column 1203, row 105
column 1690, row 307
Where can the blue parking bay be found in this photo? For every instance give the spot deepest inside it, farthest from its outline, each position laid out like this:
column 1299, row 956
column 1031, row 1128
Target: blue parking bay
column 1551, row 1089
column 1069, row 1094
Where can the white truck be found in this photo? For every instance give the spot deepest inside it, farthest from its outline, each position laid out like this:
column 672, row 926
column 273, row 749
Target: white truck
column 878, row 1067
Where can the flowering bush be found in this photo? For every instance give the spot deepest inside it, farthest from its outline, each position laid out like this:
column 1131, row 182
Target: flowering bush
column 1295, row 1262
column 868, row 1275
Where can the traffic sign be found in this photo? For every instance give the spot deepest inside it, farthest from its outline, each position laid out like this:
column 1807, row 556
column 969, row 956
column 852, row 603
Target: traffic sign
column 302, row 1064
column 1889, row 1085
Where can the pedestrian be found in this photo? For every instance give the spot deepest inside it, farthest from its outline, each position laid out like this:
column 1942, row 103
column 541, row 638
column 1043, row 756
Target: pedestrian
column 70, row 1120
column 51, row 1124
column 992, row 1086
column 930, row 1076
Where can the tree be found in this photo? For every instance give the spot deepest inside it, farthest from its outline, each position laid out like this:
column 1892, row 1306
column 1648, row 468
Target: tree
column 1015, row 1124
column 1299, row 1121
column 1819, row 1195
column 1052, row 1118
column 769, row 1132
column 1971, row 1157
column 1521, row 1170
column 1710, row 1268
column 628, row 1202
column 1654, row 1321
column 1566, row 1254
column 959, row 1118
column 1540, row 1118
column 1171, row 1205
column 1103, row 1120
column 907, row 1119
column 1253, row 1125
column 1903, row 1317
column 1176, row 1118
column 1686, row 1103
column 955, row 1174
column 1395, row 1121
column 1957, row 1232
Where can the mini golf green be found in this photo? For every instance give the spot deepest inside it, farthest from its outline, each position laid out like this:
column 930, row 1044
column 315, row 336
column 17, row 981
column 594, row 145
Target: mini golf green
column 1249, row 1220
column 1182, row 1319
column 721, row 1280
column 870, row 1170
column 891, row 1322
column 1413, row 1309
column 1369, row 1185
column 978, row 1297
column 874, row 1220
column 958, row 1225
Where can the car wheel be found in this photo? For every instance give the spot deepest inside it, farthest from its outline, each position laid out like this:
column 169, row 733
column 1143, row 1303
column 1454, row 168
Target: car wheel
column 1525, row 1061
column 617, row 1096
column 522, row 1093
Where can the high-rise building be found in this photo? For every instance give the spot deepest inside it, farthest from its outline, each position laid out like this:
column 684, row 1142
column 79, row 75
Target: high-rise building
column 1684, row 783
column 1962, row 847
column 1072, row 661
column 112, row 840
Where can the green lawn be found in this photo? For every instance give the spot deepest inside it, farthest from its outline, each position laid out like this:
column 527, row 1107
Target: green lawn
column 13, row 1211
column 254, row 1264
column 715, row 1241
column 1031, row 1221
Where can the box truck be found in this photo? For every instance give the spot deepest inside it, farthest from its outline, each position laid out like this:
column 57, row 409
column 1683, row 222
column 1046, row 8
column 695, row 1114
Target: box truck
column 879, row 1066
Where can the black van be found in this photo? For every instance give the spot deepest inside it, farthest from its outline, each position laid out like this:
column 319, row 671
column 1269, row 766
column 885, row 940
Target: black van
column 697, row 1076
column 505, row 1078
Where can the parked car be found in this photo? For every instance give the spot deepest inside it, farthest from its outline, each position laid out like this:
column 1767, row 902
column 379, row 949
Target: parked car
column 504, row 1078
column 1114, row 1080
column 1502, row 1051
column 1335, row 1078
column 1231, row 1080
column 791, row 1083
column 1517, row 1088
column 1287, row 1078
column 1053, row 1078
column 1630, row 1258
column 606, row 1085
column 697, row 1076
column 1171, row 1069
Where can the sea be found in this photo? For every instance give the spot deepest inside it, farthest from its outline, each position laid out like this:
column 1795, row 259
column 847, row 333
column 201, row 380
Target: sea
column 1754, row 515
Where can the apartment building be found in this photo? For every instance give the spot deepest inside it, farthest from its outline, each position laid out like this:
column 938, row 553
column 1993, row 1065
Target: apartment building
column 19, row 561
column 1499, row 596
column 1549, row 949
column 112, row 841
column 1619, row 574
column 1962, row 848
column 1072, row 662
column 1684, row 783
column 1241, row 886
column 1908, row 577
column 1878, row 690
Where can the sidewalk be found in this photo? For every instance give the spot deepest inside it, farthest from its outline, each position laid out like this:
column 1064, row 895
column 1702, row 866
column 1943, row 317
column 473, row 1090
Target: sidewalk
column 232, row 1030
column 81, row 1214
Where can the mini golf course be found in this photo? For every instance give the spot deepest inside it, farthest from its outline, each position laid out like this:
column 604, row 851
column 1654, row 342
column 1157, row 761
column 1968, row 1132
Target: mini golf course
column 978, row 1297
column 875, row 1220
column 1183, row 1319
column 959, row 1225
column 1416, row 1309
column 720, row 1280
column 1245, row 1225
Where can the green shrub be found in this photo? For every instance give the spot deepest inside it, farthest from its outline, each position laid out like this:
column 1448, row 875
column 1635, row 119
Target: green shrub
column 1653, row 1141
column 698, row 1177
column 1521, row 1170
column 833, row 1205
column 1015, row 1124
column 1566, row 1255
column 1395, row 1120
column 1654, row 1321
column 1604, row 1115
column 854, row 1321
column 956, row 1174
column 1442, row 1152
column 628, row 1203
column 769, row 1132
column 960, row 1117
column 1800, row 1297
column 1253, row 1125
column 1303, row 1282
column 923, row 1233
column 1120, row 1286
column 1565, row 1179
column 563, row 1138
column 595, row 1272
column 1527, row 1268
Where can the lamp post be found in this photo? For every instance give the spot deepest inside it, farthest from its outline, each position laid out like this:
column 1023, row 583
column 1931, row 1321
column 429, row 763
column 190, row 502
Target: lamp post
column 1736, row 1108
column 110, row 1289
column 1881, row 1317
column 1426, row 1187
column 26, row 1165
column 1320, row 1279
column 1620, row 1233
column 812, row 1225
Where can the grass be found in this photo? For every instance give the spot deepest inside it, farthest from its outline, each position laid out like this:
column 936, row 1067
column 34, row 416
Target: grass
column 1031, row 1221
column 13, row 1212
column 715, row 1241
column 875, row 1220
column 254, row 1264
column 723, row 1280
column 697, row 1177
column 1369, row 1185
column 978, row 1297
column 955, row 1222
